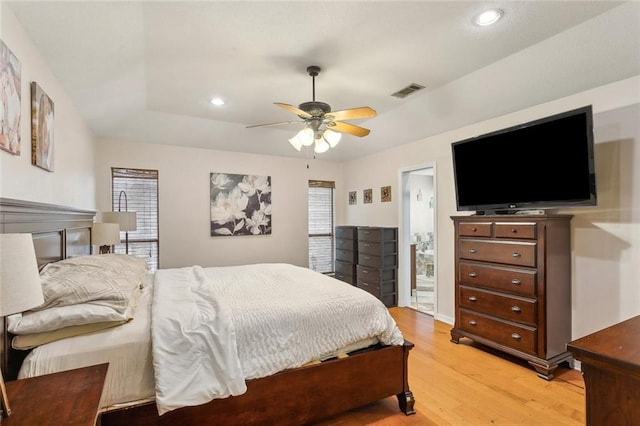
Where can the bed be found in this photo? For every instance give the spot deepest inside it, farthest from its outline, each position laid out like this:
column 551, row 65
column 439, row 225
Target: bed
column 351, row 377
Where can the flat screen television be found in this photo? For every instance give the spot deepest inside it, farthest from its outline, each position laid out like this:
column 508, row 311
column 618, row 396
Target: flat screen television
column 543, row 164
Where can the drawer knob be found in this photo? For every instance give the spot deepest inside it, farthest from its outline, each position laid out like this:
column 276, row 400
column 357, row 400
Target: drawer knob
column 516, row 309
column 472, row 322
column 472, row 250
column 516, row 336
column 474, row 229
column 515, row 281
column 473, row 274
column 516, row 254
column 472, row 299
column 514, row 231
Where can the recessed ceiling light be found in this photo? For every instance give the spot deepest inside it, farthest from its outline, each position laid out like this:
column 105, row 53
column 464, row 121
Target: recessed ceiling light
column 489, row 17
column 217, row 101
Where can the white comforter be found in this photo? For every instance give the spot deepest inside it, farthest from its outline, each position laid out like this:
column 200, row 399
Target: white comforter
column 212, row 328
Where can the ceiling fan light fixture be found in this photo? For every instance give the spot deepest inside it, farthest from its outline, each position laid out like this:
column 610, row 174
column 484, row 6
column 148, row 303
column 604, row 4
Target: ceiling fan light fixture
column 295, row 142
column 321, row 146
column 306, row 136
column 332, row 138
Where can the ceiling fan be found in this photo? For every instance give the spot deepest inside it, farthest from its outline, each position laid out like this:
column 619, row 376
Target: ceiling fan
column 323, row 127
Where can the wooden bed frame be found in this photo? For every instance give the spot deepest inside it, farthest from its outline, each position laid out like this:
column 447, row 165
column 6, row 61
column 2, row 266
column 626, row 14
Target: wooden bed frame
column 297, row 396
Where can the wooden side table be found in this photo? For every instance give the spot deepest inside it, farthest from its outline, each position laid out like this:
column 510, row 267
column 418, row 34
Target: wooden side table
column 611, row 369
column 70, row 398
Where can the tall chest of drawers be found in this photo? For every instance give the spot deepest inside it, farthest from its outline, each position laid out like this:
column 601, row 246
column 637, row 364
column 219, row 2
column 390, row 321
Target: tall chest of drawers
column 346, row 253
column 513, row 286
column 377, row 268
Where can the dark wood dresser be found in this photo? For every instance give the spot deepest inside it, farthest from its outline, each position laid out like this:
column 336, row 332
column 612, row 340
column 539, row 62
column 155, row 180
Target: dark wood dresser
column 377, row 268
column 610, row 364
column 346, row 253
column 513, row 286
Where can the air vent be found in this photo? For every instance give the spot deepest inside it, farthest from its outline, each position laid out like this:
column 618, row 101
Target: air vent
column 412, row 88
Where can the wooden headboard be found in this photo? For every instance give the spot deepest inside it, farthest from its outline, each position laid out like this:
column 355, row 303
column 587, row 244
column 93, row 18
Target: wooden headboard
column 58, row 232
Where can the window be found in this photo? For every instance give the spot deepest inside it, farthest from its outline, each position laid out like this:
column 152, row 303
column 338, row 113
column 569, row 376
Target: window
column 321, row 252
column 137, row 190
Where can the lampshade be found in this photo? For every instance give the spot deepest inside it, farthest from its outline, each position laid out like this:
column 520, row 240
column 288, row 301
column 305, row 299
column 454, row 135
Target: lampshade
column 295, row 142
column 321, row 146
column 126, row 220
column 20, row 285
column 332, row 137
column 105, row 234
column 306, row 136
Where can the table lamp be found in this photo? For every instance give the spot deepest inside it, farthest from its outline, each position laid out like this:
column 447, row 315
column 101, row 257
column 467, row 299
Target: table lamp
column 126, row 219
column 105, row 235
column 20, row 286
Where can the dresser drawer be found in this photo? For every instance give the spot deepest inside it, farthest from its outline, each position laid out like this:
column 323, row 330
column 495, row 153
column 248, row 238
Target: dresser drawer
column 345, row 244
column 377, row 248
column 507, row 252
column 345, row 267
column 346, row 256
column 377, row 234
column 511, row 308
column 519, row 337
column 346, row 232
column 475, row 229
column 525, row 230
column 345, row 277
column 511, row 280
column 377, row 289
column 376, row 275
column 386, row 261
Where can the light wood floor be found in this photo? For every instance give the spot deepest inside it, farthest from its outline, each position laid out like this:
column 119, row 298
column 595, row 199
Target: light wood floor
column 465, row 385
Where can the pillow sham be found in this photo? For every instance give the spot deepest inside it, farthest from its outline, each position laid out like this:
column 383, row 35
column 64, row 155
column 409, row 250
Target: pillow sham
column 109, row 279
column 58, row 317
column 30, row 341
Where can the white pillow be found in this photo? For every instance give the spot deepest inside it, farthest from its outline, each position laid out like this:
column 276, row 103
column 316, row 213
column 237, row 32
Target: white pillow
column 103, row 279
column 63, row 316
column 58, row 317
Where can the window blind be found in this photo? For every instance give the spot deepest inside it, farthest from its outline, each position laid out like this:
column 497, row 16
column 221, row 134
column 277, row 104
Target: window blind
column 141, row 189
column 321, row 245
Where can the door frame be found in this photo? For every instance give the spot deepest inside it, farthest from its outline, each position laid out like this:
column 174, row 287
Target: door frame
column 404, row 237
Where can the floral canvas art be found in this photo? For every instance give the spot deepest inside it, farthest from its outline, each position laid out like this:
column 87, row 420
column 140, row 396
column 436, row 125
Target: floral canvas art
column 240, row 204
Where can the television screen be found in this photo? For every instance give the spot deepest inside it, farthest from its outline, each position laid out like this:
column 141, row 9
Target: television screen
column 546, row 163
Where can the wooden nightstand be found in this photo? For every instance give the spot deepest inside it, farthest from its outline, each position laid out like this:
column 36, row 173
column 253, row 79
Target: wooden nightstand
column 70, row 398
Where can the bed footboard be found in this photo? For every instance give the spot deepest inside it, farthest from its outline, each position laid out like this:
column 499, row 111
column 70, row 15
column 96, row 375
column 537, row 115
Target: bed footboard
column 299, row 396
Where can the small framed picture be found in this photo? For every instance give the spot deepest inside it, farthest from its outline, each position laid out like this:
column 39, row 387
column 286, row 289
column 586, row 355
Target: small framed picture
column 353, row 197
column 385, row 194
column 367, row 196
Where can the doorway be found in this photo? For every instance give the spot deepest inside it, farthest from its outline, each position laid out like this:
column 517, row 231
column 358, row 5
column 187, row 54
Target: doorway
column 419, row 236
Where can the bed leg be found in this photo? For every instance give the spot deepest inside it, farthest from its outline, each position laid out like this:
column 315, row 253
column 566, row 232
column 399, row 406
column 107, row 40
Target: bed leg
column 405, row 398
column 406, row 401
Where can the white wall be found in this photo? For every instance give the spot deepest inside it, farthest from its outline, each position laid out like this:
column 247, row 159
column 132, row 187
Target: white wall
column 72, row 182
column 184, row 201
column 605, row 240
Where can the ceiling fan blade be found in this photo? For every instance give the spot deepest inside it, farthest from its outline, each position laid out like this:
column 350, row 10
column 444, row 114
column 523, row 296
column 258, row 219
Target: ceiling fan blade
column 352, row 113
column 273, row 124
column 293, row 109
column 351, row 129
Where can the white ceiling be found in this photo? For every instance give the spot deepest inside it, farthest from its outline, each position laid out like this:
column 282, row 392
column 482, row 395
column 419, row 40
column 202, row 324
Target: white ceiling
column 145, row 71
